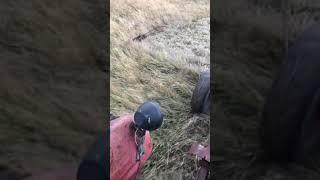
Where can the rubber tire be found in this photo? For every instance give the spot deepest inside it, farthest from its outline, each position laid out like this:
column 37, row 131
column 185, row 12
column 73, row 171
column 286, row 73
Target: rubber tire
column 286, row 128
column 200, row 101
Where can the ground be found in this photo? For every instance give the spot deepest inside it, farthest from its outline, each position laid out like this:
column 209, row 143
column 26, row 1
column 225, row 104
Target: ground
column 161, row 67
column 250, row 41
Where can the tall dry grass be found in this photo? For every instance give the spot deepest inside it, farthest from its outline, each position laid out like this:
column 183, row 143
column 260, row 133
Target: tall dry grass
column 250, row 43
column 128, row 19
column 52, row 92
column 138, row 75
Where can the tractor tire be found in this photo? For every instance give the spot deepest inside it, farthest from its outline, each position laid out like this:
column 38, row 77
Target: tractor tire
column 290, row 128
column 200, row 101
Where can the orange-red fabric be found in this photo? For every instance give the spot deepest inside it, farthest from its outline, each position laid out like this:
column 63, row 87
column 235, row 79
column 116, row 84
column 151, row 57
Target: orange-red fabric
column 123, row 164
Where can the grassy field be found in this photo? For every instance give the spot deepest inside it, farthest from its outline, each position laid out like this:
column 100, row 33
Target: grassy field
column 138, row 74
column 250, row 40
column 52, row 93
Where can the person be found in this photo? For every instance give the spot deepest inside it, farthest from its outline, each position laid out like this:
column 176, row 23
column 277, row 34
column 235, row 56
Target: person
column 130, row 140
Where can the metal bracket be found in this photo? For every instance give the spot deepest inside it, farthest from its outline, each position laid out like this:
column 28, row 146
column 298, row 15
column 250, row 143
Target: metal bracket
column 139, row 140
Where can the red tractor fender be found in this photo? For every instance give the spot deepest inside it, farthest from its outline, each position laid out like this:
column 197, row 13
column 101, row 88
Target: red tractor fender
column 202, row 153
column 123, row 164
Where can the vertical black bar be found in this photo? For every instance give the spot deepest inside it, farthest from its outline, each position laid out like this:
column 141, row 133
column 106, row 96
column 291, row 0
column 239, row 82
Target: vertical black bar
column 212, row 87
column 108, row 89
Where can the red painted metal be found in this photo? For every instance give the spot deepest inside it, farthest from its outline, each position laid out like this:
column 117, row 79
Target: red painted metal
column 203, row 153
column 123, row 164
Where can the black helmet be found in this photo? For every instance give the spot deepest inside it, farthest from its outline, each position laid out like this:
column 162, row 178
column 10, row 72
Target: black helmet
column 148, row 116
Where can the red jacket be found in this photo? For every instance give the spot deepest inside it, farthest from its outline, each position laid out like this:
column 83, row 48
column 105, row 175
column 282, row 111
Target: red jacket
column 123, row 164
